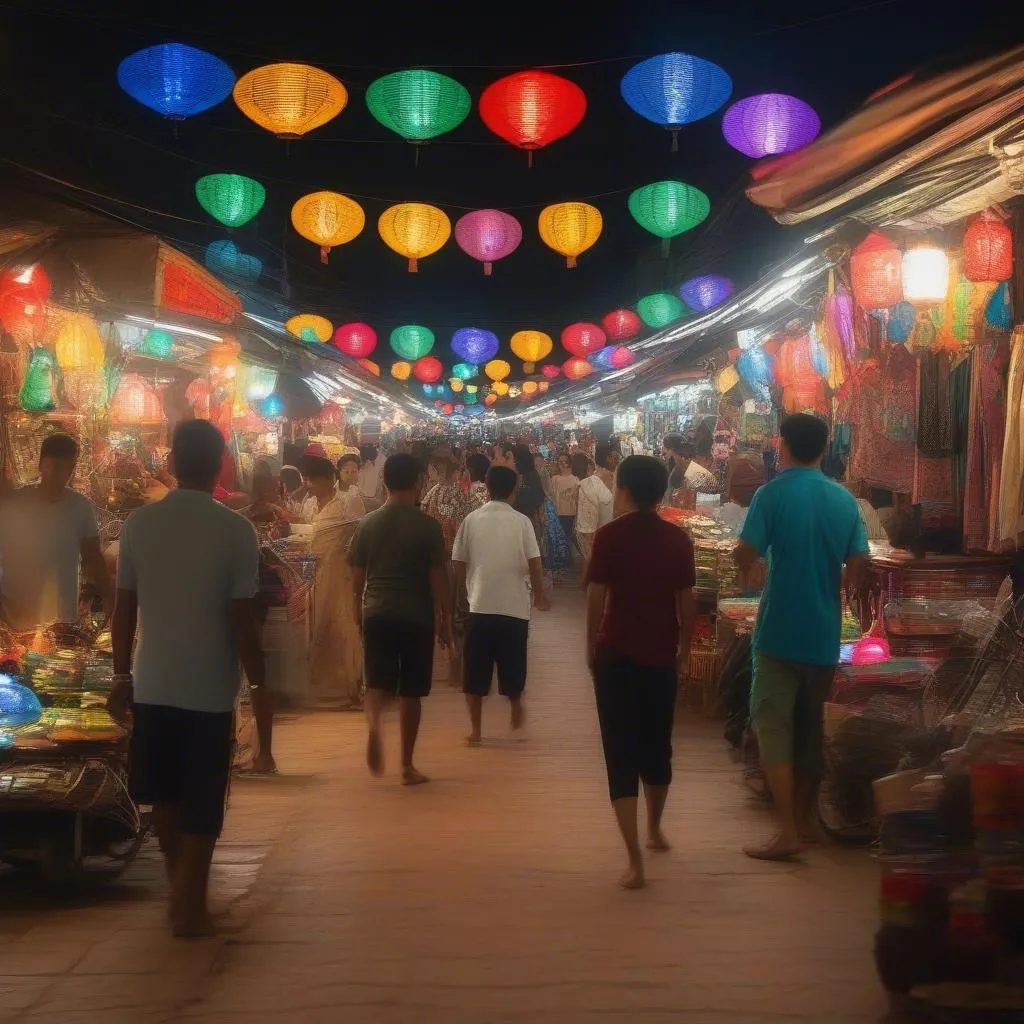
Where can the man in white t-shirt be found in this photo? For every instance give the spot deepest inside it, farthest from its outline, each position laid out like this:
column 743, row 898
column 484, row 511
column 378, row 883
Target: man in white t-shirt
column 46, row 532
column 495, row 553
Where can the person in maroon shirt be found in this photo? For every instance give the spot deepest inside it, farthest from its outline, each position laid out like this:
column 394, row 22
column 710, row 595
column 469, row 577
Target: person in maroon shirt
column 640, row 609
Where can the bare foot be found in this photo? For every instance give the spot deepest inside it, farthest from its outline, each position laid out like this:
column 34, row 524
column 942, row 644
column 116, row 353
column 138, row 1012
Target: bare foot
column 656, row 841
column 518, row 715
column 375, row 753
column 473, row 741
column 780, row 848
column 633, row 878
column 411, row 777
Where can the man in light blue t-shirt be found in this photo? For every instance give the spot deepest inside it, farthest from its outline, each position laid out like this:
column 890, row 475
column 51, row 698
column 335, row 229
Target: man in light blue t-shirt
column 808, row 526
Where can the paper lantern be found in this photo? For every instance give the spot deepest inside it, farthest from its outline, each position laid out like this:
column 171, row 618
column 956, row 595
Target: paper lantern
column 531, row 347
column 621, row 324
column 79, row 345
column 490, row 399
column 475, row 345
column 660, row 308
column 24, row 292
column 259, row 383
column 370, row 366
column 289, row 99
column 581, row 339
column 488, row 235
column 456, row 384
column 570, row 228
column 223, row 257
column 414, row 230
column 418, row 104
column 755, row 369
column 902, row 317
column 356, row 339
column 499, row 387
column 401, row 370
column 602, row 359
column 232, row 199
column 543, row 385
column 770, row 124
column 309, row 327
column 197, row 394
column 157, row 345
column 472, row 389
column 988, row 249
column 726, row 380
column 876, row 272
column 577, row 368
column 551, row 371
column 674, row 89
column 705, row 292
column 447, row 409
column 497, row 370
column 532, row 108
column 135, row 402
column 18, row 704
column 428, row 369
column 668, row 208
column 925, row 275
column 37, row 389
column 619, row 357
column 224, row 355
column 175, row 80
column 412, row 341
column 870, row 650
column 272, row 407
column 529, row 387
column 328, row 219
column 465, row 371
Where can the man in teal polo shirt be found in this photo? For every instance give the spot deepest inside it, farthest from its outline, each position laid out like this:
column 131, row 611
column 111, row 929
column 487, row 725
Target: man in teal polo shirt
column 808, row 526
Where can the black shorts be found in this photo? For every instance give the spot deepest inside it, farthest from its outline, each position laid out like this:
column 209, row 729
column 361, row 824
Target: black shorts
column 183, row 758
column 398, row 657
column 495, row 640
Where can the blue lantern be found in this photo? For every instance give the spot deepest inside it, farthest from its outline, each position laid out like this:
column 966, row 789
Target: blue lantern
column 272, row 406
column 175, row 80
column 674, row 89
column 902, row 318
column 705, row 292
column 475, row 345
column 600, row 359
column 18, row 704
column 998, row 309
column 224, row 258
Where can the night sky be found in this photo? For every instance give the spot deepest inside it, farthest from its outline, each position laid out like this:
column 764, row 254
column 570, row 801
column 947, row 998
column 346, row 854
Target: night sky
column 66, row 116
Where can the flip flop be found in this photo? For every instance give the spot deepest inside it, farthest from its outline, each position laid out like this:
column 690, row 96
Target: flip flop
column 774, row 855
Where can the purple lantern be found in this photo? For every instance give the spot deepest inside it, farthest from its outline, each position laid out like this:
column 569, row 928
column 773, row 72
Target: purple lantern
column 705, row 292
column 769, row 124
column 488, row 235
column 475, row 345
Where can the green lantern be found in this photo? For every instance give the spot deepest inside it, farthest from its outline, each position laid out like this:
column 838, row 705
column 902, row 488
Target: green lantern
column 158, row 344
column 418, row 104
column 465, row 371
column 668, row 208
column 233, row 199
column 36, row 394
column 660, row 308
column 412, row 341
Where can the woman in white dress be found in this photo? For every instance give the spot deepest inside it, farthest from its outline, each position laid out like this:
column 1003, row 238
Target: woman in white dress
column 594, row 507
column 348, row 485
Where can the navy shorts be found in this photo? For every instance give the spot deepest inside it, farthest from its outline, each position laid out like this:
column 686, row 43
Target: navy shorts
column 495, row 642
column 398, row 657
column 183, row 758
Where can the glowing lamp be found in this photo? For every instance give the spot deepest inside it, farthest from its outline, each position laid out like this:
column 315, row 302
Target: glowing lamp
column 224, row 257
column 157, row 345
column 37, row 388
column 577, row 368
column 428, row 369
column 465, row 371
column 488, row 235
column 356, row 339
column 705, row 292
column 328, row 219
column 543, row 385
column 988, row 249
column 876, row 272
column 472, row 389
column 456, row 384
column 497, row 370
column 581, row 339
column 18, row 704
column 79, row 345
column 260, row 382
column 175, row 80
column 475, row 345
column 869, row 650
column 135, row 402
column 412, row 341
column 24, row 292
column 531, row 347
column 500, row 388
column 570, row 228
column 310, row 328
column 370, row 366
column 418, row 104
column 272, row 407
column 490, row 399
column 232, row 199
column 620, row 357
column 401, row 370
column 551, row 371
column 726, row 380
column 660, row 308
column 289, row 100
column 414, row 230
column 770, row 124
column 925, row 275
column 529, row 387
column 668, row 208
column 621, row 324
column 447, row 409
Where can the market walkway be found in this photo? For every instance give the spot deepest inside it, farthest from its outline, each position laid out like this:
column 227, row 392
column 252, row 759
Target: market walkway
column 487, row 896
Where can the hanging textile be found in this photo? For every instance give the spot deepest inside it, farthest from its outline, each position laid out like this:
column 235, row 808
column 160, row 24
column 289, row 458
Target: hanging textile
column 960, row 385
column 1013, row 445
column 934, row 425
column 985, row 434
column 882, row 450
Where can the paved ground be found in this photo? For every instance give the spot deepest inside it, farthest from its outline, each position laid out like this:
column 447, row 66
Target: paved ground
column 487, row 896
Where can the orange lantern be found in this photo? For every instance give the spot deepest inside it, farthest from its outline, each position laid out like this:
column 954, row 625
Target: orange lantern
column 531, row 347
column 79, row 345
column 497, row 370
column 490, row 399
column 529, row 387
column 371, row 366
column 499, row 388
column 570, row 228
column 135, row 402
column 289, row 99
column 401, row 370
column 414, row 230
column 224, row 354
column 576, row 368
column 328, row 219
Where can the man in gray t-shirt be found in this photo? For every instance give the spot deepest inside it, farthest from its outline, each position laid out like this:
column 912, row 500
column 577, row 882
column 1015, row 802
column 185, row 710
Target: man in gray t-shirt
column 401, row 596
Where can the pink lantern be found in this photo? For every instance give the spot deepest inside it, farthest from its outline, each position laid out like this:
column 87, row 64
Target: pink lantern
column 870, row 650
column 583, row 339
column 357, row 340
column 488, row 235
column 551, row 371
column 621, row 357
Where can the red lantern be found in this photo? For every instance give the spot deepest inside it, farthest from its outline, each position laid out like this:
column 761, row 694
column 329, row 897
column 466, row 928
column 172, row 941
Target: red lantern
column 532, row 108
column 448, row 409
column 576, row 368
column 621, row 324
column 428, row 369
column 357, row 340
column 876, row 272
column 621, row 357
column 24, row 292
column 582, row 339
column 988, row 249
column 550, row 371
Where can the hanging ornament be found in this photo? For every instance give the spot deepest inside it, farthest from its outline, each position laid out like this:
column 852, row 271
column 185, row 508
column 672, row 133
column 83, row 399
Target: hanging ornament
column 497, row 370
column 531, row 347
column 328, row 219
column 401, row 370
column 356, row 339
column 705, row 292
column 570, row 229
column 490, row 399
column 135, row 402
column 370, row 366
column 659, row 309
column 925, row 275
column 726, row 380
column 272, row 407
column 428, row 369
column 197, row 394
column 224, row 258
column 310, row 328
column 456, row 384
column 290, row 99
column 901, row 322
column 24, row 293
column 412, row 341
column 232, row 199
column 668, row 208
column 576, row 368
column 621, row 324
column 465, row 371
column 488, row 235
column 447, row 409
column 175, row 80
column 157, row 345
column 620, row 356
column 988, row 249
column 418, row 104
column 581, row 339
column 532, row 108
column 999, row 309
column 37, row 389
column 499, row 387
column 551, row 371
column 79, row 345
column 876, row 272
column 414, row 230
column 258, row 382
column 475, row 345
column 770, row 124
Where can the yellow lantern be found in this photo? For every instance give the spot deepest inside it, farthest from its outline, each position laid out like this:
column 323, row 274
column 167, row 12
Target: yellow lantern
column 471, row 389
column 531, row 347
column 401, row 371
column 500, row 388
column 414, row 230
column 925, row 275
column 570, row 228
column 290, row 99
column 529, row 387
column 456, row 384
column 497, row 369
column 310, row 327
column 328, row 219
column 79, row 345
column 726, row 380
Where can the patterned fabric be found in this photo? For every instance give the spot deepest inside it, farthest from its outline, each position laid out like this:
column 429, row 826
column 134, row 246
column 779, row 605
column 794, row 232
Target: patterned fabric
column 478, row 496
column 449, row 505
column 1013, row 450
column 557, row 556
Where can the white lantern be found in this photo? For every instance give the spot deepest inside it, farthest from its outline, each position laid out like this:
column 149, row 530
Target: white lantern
column 925, row 275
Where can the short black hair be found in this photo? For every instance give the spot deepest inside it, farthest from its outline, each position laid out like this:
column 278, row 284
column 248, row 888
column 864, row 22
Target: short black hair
column 368, row 452
column 349, row 457
column 316, row 467
column 402, row 472
column 580, row 464
column 806, row 436
column 59, row 446
column 478, row 464
column 673, row 442
column 524, row 459
column 291, row 478
column 644, row 478
column 501, row 482
column 197, row 452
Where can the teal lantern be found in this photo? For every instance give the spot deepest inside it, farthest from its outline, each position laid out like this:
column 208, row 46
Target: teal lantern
column 465, row 371
column 418, row 104
column 412, row 341
column 659, row 309
column 158, row 344
column 36, row 394
column 233, row 199
column 668, row 208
